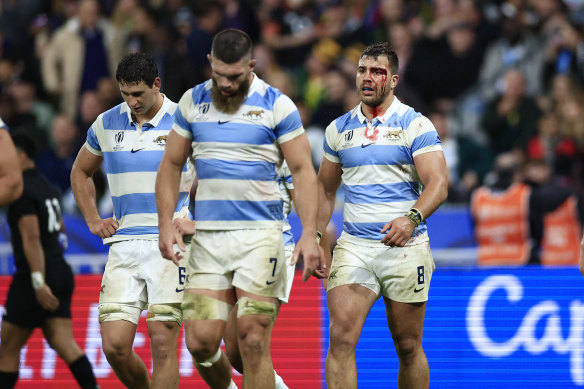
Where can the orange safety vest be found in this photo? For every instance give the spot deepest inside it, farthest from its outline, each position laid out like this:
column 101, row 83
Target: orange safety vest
column 502, row 225
column 561, row 235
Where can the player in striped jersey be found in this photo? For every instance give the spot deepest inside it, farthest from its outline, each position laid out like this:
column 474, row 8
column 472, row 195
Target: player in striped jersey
column 238, row 127
column 10, row 175
column 186, row 227
column 384, row 153
column 129, row 140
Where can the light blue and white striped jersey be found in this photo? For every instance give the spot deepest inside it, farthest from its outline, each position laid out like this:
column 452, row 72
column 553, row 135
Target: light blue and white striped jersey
column 3, row 125
column 379, row 177
column 237, row 155
column 131, row 156
column 285, row 184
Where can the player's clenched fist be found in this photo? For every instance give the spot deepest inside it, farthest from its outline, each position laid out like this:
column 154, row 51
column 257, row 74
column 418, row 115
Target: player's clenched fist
column 104, row 228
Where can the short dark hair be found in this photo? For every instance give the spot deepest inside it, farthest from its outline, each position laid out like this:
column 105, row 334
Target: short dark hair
column 384, row 48
column 231, row 46
column 137, row 67
column 24, row 142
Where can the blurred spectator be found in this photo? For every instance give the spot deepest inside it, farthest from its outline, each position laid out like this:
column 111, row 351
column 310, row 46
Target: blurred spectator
column 27, row 103
column 468, row 162
column 78, row 56
column 332, row 105
column 56, row 162
column 90, row 107
column 564, row 52
column 289, row 29
column 316, row 68
column 456, row 57
column 209, row 18
column 281, row 80
column 516, row 49
column 108, row 93
column 265, row 60
column 510, row 119
column 176, row 69
column 557, row 150
column 142, row 35
column 242, row 14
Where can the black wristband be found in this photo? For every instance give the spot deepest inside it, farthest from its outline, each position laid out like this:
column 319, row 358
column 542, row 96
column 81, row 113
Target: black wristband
column 415, row 216
column 318, row 236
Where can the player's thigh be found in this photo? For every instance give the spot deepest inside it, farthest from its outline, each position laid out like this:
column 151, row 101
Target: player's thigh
column 117, row 336
column 13, row 338
column 405, row 320
column 348, row 307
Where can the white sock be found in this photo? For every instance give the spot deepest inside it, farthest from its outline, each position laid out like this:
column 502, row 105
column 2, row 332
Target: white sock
column 279, row 382
column 232, row 385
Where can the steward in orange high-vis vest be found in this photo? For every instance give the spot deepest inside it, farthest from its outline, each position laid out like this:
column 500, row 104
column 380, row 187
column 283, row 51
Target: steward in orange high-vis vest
column 502, row 225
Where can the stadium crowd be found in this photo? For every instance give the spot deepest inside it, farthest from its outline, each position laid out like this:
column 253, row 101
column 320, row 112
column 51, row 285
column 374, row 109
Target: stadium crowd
column 493, row 76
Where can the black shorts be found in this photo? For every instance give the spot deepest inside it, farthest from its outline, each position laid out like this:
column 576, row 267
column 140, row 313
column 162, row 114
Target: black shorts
column 23, row 309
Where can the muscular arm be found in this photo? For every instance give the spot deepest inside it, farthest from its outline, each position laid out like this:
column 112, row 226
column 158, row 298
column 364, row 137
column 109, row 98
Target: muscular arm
column 10, row 173
column 298, row 157
column 431, row 168
column 29, row 229
column 167, row 189
column 329, row 180
column 86, row 164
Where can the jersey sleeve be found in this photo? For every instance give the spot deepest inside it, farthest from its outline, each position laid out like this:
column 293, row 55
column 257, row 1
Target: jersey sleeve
column 93, row 134
column 288, row 124
column 330, row 146
column 22, row 207
column 182, row 120
column 422, row 136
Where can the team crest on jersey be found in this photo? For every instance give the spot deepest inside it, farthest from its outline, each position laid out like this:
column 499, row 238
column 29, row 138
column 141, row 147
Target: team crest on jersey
column 161, row 140
column 119, row 137
column 254, row 114
column 393, row 135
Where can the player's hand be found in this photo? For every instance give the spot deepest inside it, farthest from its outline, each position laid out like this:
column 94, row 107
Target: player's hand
column 168, row 237
column 46, row 298
column 399, row 231
column 313, row 256
column 104, row 228
column 184, row 226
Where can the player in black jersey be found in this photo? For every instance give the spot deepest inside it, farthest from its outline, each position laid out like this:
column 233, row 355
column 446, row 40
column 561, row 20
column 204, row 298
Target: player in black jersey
column 42, row 287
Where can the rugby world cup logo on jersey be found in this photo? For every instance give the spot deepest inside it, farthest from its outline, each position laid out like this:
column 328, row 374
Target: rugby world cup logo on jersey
column 119, row 137
column 348, row 139
column 204, row 108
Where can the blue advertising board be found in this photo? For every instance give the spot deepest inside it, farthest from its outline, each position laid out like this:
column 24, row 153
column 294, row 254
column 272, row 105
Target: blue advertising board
column 489, row 328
